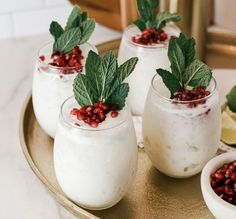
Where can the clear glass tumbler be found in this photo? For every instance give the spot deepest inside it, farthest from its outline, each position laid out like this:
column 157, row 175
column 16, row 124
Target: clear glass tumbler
column 150, row 58
column 181, row 136
column 51, row 86
column 95, row 167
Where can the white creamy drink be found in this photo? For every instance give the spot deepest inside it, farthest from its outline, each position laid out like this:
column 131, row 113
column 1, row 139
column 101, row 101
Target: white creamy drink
column 95, row 167
column 150, row 57
column 51, row 86
column 180, row 136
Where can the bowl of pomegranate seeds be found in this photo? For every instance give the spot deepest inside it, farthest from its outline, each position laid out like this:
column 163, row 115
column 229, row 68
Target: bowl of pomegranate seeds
column 218, row 184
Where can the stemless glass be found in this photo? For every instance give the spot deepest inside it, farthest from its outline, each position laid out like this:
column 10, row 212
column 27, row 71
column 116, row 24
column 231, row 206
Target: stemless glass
column 180, row 136
column 51, row 86
column 150, row 58
column 95, row 167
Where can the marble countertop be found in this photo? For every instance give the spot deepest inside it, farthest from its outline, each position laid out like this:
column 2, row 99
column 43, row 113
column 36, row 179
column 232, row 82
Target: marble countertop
column 23, row 196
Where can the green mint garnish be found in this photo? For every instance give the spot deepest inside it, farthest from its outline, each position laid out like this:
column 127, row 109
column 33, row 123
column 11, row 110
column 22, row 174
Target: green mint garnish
column 77, row 31
column 103, row 80
column 231, row 99
column 186, row 71
column 150, row 19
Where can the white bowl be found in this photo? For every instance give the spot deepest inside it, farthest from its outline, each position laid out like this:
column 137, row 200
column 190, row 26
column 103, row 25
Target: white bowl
column 218, row 207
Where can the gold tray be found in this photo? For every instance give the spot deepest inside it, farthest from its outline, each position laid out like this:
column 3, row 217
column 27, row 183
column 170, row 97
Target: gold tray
column 152, row 195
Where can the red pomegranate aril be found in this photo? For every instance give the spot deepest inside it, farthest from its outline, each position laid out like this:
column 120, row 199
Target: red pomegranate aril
column 94, row 113
column 114, row 114
column 72, row 59
column 94, row 124
column 96, row 110
column 102, row 116
column 89, row 108
column 213, row 184
column 74, row 111
column 150, row 36
column 219, row 176
column 228, row 181
column 42, row 58
column 233, row 176
column 79, row 116
column 94, row 117
column 223, row 182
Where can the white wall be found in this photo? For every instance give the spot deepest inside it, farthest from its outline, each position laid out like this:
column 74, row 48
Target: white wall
column 28, row 17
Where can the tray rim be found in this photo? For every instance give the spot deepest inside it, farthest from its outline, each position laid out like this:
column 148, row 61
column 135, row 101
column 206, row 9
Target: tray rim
column 61, row 199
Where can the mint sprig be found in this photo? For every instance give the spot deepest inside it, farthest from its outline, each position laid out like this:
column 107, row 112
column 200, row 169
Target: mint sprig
column 186, row 71
column 150, row 19
column 103, row 80
column 77, row 31
column 231, row 99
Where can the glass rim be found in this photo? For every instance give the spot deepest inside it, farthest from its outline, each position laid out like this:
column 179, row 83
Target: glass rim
column 182, row 101
column 87, row 128
column 154, row 46
column 56, row 67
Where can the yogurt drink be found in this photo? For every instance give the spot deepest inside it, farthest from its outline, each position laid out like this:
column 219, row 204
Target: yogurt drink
column 51, row 86
column 95, row 167
column 150, row 57
column 180, row 139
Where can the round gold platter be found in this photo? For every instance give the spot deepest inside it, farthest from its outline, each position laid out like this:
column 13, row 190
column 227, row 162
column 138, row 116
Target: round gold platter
column 153, row 195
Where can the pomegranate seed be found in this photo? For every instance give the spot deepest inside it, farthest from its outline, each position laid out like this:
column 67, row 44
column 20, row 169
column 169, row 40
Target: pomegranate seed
column 74, row 111
column 94, row 114
column 94, row 124
column 79, row 116
column 42, row 58
column 72, row 59
column 223, row 182
column 96, row 110
column 114, row 114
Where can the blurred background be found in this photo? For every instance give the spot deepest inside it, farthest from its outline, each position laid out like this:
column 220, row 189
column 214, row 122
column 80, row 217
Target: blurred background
column 211, row 22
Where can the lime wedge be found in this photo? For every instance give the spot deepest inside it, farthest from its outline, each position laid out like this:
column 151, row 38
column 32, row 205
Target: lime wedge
column 228, row 129
column 230, row 113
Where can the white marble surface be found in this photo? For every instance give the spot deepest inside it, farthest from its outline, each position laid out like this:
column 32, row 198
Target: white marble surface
column 22, row 195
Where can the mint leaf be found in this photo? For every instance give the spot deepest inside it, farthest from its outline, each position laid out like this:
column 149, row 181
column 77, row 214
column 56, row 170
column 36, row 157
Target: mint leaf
column 84, row 91
column 72, row 18
column 176, row 58
column 197, row 74
column 150, row 19
column 67, row 41
column 87, row 29
column 171, row 82
column 140, row 24
column 164, row 17
column 103, row 80
column 123, row 72
column 126, row 68
column 84, row 16
column 56, row 30
column 186, row 71
column 78, row 30
column 93, row 71
column 231, row 98
column 109, row 67
column 144, row 9
column 188, row 48
column 118, row 96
